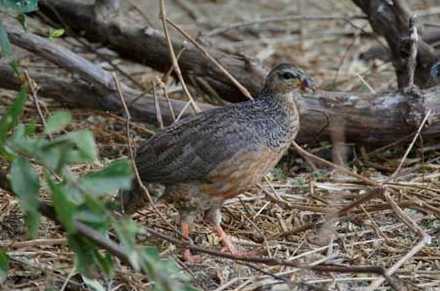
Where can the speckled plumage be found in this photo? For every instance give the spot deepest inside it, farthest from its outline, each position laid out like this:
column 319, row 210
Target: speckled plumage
column 212, row 156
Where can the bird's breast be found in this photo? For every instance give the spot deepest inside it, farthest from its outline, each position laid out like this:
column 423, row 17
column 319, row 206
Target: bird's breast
column 239, row 173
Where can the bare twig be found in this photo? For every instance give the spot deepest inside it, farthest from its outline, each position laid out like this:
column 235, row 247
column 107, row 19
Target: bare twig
column 31, row 243
column 217, row 63
column 163, row 87
column 33, row 88
column 424, row 240
column 412, row 58
column 337, row 167
column 132, row 156
column 363, row 198
column 61, row 56
column 173, row 57
column 408, row 150
column 157, row 105
column 286, row 18
column 90, row 233
column 182, row 112
column 390, row 20
column 274, row 261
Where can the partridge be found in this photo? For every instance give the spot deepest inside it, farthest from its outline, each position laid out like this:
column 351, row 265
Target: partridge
column 205, row 159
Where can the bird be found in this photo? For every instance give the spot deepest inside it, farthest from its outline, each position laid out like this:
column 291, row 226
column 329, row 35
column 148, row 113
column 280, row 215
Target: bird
column 205, row 159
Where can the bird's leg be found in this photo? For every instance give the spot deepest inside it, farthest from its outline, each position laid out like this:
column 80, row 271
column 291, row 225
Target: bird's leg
column 186, row 221
column 187, row 256
column 214, row 217
column 226, row 241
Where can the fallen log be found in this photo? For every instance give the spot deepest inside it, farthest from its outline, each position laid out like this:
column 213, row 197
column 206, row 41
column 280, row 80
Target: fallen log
column 368, row 119
column 148, row 46
column 372, row 119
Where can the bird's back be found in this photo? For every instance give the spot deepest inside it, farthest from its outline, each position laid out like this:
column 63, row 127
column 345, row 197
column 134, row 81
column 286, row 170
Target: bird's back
column 192, row 148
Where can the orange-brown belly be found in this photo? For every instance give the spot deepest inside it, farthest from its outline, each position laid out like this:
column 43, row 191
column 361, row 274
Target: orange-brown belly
column 240, row 173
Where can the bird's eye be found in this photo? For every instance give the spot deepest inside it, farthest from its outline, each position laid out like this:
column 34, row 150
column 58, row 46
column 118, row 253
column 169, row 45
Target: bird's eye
column 287, row 76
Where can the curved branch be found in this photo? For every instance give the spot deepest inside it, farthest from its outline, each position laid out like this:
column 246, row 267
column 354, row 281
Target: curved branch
column 390, row 19
column 148, row 46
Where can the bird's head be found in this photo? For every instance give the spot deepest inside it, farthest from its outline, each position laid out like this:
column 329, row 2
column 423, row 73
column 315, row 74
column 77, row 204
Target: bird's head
column 286, row 78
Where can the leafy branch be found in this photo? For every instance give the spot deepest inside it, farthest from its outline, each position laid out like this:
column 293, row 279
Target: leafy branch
column 81, row 204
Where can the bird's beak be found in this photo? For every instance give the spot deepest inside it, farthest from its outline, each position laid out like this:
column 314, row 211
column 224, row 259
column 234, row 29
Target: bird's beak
column 308, row 84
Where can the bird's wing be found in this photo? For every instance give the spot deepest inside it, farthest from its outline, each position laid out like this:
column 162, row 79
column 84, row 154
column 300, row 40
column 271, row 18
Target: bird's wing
column 190, row 149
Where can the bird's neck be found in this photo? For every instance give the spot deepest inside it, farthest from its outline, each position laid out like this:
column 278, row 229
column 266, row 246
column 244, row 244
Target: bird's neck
column 282, row 102
column 284, row 113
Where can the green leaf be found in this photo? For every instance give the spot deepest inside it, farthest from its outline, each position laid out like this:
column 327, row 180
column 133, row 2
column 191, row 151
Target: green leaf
column 10, row 119
column 93, row 284
column 85, row 253
column 5, row 44
column 94, row 213
column 22, row 6
column 126, row 230
column 74, row 147
column 117, row 175
column 85, row 147
column 4, row 265
column 21, row 18
column 71, row 148
column 30, row 127
column 25, row 183
column 21, row 144
column 15, row 66
column 164, row 273
column 105, row 263
column 57, row 122
column 56, row 33
column 64, row 207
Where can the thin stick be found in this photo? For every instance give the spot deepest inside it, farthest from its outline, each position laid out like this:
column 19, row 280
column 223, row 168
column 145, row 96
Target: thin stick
column 9, row 244
column 242, row 89
column 163, row 87
column 157, row 106
column 170, row 106
column 274, row 261
column 176, row 67
column 66, row 282
column 299, row 9
column 337, row 167
column 33, row 89
column 424, row 240
column 408, row 150
column 132, row 156
column 279, row 19
column 412, row 59
column 344, row 210
column 182, row 111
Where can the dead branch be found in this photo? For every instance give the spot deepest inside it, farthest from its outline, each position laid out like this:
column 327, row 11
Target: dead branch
column 383, row 53
column 62, row 57
column 173, row 57
column 149, row 47
column 374, row 119
column 78, row 93
column 391, row 20
column 370, row 119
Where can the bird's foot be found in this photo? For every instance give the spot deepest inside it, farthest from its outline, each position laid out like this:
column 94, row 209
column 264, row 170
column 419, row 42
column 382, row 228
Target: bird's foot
column 228, row 246
column 187, row 255
column 190, row 258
